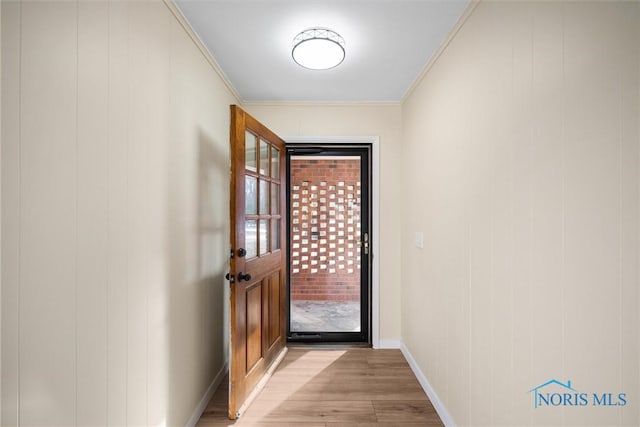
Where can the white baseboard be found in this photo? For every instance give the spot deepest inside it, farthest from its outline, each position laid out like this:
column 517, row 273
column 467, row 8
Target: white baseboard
column 202, row 405
column 389, row 344
column 422, row 379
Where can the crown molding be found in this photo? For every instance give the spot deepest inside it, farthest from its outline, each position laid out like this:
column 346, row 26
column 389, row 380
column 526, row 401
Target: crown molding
column 471, row 6
column 177, row 13
column 321, row 103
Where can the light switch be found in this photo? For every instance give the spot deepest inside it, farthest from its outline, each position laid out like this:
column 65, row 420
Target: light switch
column 419, row 238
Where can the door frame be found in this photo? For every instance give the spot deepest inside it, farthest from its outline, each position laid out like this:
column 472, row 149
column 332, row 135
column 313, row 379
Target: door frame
column 364, row 153
column 375, row 213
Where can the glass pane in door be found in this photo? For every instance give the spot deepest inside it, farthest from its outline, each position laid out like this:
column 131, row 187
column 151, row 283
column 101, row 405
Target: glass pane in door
column 251, row 238
column 250, row 195
column 275, row 163
column 264, row 157
column 250, row 151
column 325, row 277
column 275, row 234
column 264, row 197
column 264, row 236
column 275, row 199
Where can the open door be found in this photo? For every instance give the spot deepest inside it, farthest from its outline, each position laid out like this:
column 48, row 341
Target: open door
column 258, row 254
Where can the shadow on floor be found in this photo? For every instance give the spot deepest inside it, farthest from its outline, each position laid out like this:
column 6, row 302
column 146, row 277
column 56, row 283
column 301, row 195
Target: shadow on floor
column 334, row 388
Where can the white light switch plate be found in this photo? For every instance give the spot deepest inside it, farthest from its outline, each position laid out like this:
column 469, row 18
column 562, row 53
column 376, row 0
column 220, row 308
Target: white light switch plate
column 419, row 238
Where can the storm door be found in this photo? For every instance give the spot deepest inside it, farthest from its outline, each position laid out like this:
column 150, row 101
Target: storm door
column 329, row 243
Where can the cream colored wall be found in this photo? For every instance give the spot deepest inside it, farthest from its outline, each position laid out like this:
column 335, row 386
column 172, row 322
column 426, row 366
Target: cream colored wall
column 0, row 216
column 521, row 168
column 115, row 198
column 358, row 120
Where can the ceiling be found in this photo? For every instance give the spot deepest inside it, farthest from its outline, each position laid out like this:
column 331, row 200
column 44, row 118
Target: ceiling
column 388, row 43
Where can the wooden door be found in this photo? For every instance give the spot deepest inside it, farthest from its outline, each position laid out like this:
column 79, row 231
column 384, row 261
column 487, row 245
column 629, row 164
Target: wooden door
column 258, row 254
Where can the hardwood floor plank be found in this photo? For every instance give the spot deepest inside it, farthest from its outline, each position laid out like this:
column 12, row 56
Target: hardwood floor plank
column 420, row 411
column 375, row 425
column 292, row 411
column 332, row 373
column 371, row 389
column 245, row 423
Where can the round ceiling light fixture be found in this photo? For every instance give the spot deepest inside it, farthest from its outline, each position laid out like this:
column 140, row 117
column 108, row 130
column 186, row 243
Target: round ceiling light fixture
column 318, row 49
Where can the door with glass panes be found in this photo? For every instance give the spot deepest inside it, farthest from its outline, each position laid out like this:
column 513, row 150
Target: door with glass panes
column 257, row 268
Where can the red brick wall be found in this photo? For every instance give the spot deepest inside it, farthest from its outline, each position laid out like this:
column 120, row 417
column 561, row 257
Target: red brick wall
column 325, row 229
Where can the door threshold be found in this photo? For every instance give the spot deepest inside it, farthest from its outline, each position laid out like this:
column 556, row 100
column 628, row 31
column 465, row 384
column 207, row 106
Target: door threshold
column 328, row 345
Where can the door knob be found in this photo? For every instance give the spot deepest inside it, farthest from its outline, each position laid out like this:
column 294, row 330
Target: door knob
column 242, row 252
column 244, row 276
column 229, row 277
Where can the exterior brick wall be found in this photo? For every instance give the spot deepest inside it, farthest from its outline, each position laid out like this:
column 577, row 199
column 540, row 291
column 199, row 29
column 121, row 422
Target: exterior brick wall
column 325, row 229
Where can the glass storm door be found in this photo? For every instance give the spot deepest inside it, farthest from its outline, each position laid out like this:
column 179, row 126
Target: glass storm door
column 328, row 206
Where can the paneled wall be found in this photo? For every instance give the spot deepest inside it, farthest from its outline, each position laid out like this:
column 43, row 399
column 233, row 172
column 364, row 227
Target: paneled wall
column 521, row 169
column 115, row 198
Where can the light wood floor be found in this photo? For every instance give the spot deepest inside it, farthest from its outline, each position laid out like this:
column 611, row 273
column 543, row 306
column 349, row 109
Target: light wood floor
column 334, row 388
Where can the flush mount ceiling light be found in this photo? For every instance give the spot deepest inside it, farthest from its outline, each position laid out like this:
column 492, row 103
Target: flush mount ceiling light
column 318, row 49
